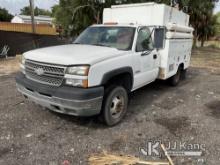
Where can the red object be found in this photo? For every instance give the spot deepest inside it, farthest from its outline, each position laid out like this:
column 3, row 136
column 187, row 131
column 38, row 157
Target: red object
column 66, row 162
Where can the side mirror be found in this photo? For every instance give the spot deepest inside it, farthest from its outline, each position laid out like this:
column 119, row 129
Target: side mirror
column 159, row 38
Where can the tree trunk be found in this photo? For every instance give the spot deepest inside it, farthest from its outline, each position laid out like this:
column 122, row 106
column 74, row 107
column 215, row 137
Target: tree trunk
column 194, row 42
column 97, row 17
column 195, row 39
column 202, row 42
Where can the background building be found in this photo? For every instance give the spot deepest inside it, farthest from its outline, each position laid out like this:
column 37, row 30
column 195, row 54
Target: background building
column 27, row 19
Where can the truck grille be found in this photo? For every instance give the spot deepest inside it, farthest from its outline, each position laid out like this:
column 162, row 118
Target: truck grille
column 48, row 74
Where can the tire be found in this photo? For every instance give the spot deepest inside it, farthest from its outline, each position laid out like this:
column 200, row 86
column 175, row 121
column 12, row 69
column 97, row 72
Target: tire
column 184, row 74
column 114, row 105
column 174, row 81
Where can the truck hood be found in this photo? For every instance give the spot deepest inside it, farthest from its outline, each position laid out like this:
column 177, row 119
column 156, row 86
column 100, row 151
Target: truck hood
column 73, row 54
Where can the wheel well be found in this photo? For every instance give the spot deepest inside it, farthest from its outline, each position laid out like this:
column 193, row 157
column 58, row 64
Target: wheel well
column 181, row 66
column 123, row 79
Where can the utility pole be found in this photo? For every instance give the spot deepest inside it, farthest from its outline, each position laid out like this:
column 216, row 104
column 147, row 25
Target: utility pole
column 32, row 16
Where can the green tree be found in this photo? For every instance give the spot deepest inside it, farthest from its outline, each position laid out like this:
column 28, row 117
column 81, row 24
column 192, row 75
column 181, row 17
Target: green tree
column 5, row 16
column 217, row 24
column 218, row 17
column 25, row 11
column 76, row 15
column 201, row 18
column 37, row 11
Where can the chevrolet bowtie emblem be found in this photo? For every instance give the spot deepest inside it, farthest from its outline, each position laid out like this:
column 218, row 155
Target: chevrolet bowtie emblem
column 39, row 71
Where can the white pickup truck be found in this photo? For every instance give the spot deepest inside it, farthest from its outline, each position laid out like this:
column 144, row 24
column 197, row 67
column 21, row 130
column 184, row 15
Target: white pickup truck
column 135, row 45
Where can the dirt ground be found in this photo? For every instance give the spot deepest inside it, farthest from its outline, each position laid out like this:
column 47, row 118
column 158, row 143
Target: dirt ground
column 9, row 65
column 189, row 113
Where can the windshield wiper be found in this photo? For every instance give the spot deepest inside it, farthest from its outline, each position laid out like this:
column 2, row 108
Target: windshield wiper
column 78, row 43
column 102, row 45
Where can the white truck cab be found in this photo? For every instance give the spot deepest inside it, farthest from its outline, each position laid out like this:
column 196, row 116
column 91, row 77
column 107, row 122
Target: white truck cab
column 135, row 45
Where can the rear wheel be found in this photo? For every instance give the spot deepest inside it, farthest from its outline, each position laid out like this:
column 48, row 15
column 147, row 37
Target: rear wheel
column 174, row 81
column 183, row 74
column 114, row 105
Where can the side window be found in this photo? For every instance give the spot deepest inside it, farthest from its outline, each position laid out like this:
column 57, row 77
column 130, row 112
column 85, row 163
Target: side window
column 144, row 40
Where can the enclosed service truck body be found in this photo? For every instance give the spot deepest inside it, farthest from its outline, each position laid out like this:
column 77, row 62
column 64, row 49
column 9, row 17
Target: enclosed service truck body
column 176, row 35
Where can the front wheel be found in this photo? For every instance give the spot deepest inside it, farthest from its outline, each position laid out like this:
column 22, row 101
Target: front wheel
column 114, row 105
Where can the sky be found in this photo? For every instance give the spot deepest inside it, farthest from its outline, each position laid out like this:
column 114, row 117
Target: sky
column 217, row 7
column 14, row 6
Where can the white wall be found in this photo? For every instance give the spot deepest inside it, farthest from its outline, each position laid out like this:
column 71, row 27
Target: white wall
column 145, row 14
column 17, row 19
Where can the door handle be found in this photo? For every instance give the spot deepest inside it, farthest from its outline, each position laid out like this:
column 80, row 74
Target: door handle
column 155, row 56
column 145, row 53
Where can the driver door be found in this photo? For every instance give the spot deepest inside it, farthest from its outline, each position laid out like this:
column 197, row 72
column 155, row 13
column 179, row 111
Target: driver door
column 146, row 59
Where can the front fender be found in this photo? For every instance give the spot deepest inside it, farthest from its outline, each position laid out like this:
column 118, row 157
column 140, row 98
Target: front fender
column 107, row 76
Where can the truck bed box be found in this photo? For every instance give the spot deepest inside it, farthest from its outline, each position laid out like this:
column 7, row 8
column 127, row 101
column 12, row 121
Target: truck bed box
column 145, row 14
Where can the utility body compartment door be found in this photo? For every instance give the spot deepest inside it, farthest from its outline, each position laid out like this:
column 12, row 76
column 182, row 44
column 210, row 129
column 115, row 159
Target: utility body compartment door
column 146, row 59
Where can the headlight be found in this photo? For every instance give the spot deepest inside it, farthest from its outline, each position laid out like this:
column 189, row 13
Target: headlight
column 77, row 82
column 78, row 70
column 22, row 60
column 77, row 76
column 22, row 65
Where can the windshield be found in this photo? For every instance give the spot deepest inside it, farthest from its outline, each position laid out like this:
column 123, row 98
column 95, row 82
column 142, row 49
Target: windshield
column 115, row 37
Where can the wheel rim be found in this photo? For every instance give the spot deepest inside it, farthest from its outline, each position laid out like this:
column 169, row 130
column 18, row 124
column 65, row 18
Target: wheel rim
column 117, row 106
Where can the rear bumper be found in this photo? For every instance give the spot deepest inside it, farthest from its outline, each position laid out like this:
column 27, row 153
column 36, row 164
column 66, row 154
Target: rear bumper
column 64, row 99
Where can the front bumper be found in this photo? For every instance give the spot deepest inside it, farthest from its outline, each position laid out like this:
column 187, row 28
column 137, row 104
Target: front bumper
column 63, row 99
